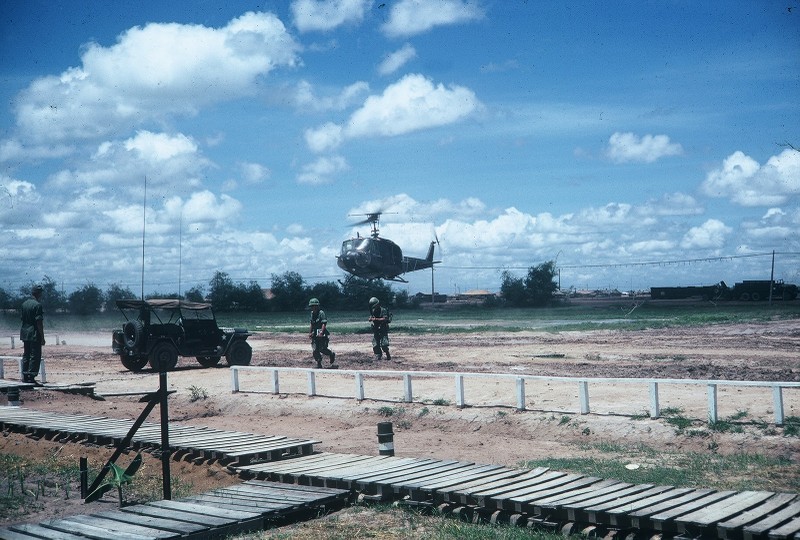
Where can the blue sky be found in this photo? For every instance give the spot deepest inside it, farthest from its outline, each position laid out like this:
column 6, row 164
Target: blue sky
column 600, row 135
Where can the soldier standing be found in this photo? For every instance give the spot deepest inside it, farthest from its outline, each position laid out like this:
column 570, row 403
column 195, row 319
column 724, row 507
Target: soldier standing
column 380, row 318
column 318, row 332
column 32, row 336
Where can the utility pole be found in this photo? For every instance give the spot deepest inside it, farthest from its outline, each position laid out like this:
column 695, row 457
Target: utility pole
column 772, row 278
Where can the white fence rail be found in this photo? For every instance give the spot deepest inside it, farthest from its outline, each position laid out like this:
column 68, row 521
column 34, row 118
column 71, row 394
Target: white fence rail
column 42, row 370
column 407, row 377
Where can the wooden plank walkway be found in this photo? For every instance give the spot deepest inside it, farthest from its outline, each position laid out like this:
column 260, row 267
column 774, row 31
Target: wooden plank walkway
column 545, row 496
column 248, row 507
column 188, row 442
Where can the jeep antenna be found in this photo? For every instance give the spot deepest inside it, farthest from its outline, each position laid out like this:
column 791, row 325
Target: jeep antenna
column 144, row 224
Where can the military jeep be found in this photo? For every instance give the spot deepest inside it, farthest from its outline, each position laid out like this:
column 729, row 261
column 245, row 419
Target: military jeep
column 158, row 331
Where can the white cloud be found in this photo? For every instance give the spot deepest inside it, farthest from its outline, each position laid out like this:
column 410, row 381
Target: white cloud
column 325, row 137
column 742, row 180
column 321, row 170
column 413, row 103
column 409, row 17
column 627, row 147
column 253, row 173
column 150, row 72
column 711, row 234
column 306, row 99
column 323, row 15
column 397, row 59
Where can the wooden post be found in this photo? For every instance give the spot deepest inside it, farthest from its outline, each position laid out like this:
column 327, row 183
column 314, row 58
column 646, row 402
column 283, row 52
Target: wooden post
column 234, row 380
column 359, row 386
column 276, row 384
column 520, row 393
column 312, row 383
column 460, row 391
column 712, row 404
column 583, row 394
column 777, row 400
column 407, row 394
column 655, row 409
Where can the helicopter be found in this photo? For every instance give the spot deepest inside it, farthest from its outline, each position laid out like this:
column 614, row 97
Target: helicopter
column 374, row 257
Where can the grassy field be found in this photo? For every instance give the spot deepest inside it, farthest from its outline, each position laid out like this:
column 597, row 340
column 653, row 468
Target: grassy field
column 577, row 316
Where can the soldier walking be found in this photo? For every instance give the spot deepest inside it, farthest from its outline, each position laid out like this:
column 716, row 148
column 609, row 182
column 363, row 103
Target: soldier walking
column 380, row 318
column 318, row 332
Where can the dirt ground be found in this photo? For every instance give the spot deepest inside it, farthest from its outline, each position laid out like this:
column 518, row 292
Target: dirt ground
column 489, row 429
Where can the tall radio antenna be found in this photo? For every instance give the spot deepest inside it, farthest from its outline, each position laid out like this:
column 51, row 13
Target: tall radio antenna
column 144, row 224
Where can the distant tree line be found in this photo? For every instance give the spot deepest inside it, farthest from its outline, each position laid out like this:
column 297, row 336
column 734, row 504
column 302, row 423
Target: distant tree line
column 289, row 292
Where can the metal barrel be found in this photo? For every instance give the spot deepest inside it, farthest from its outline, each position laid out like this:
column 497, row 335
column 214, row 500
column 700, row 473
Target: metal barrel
column 385, row 439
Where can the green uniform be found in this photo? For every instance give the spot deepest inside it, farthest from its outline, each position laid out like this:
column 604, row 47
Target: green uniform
column 32, row 338
column 319, row 337
column 380, row 331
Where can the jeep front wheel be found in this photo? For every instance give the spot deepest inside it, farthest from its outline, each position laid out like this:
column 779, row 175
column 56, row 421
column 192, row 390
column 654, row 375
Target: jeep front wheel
column 239, row 354
column 208, row 361
column 163, row 357
column 133, row 363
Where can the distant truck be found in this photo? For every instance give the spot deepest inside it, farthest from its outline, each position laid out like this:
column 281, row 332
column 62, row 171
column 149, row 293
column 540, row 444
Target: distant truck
column 745, row 291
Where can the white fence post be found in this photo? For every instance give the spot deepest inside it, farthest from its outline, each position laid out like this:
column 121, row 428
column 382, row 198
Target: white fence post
column 407, row 394
column 234, row 380
column 777, row 400
column 655, row 409
column 312, row 383
column 583, row 395
column 276, row 383
column 460, row 391
column 712, row 403
column 42, row 372
column 359, row 386
column 520, row 394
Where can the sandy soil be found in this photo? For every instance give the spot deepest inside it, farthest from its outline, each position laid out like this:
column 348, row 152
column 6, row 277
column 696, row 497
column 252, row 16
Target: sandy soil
column 489, row 429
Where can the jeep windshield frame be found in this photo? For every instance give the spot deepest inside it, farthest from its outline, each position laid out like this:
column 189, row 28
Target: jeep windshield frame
column 166, row 310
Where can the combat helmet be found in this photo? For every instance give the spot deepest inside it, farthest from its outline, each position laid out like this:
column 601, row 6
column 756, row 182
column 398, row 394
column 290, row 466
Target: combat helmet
column 313, row 302
column 374, row 302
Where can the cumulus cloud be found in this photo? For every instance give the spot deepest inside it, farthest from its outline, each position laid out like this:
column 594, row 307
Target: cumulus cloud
column 253, row 173
column 323, row 15
column 322, row 170
column 306, row 98
column 410, row 17
column 742, row 180
column 711, row 235
column 413, row 103
column 627, row 147
column 397, row 59
column 152, row 71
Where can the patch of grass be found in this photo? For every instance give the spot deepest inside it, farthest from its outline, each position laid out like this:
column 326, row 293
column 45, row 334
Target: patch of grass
column 387, row 411
column 738, row 472
column 424, row 412
column 441, row 401
column 388, row 522
column 564, row 420
column 791, row 426
column 24, row 484
column 674, row 417
column 197, row 393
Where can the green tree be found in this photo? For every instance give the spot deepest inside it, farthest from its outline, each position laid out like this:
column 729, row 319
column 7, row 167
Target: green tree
column 540, row 284
column 512, row 289
column 195, row 294
column 249, row 297
column 116, row 292
column 289, row 292
column 357, row 293
column 221, row 292
column 88, row 299
column 52, row 299
column 328, row 293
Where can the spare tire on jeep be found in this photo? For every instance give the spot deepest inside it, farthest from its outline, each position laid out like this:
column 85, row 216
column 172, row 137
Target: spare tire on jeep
column 133, row 331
